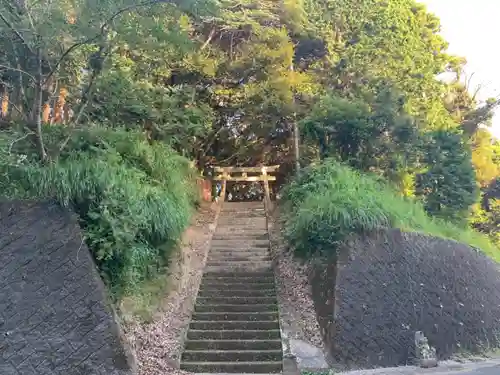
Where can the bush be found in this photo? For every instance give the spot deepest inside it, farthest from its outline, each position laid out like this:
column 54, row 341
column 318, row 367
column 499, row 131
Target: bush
column 447, row 187
column 133, row 199
column 329, row 202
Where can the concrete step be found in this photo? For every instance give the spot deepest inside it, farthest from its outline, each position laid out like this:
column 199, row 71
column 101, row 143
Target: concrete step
column 232, row 355
column 244, row 234
column 236, row 285
column 235, row 316
column 235, row 326
column 229, row 325
column 237, row 308
column 237, row 268
column 239, row 243
column 244, row 239
column 243, row 214
column 245, row 264
column 255, row 206
column 242, row 277
column 231, row 257
column 235, row 236
column 242, row 248
column 244, row 230
column 241, row 231
column 243, row 207
column 245, row 211
column 248, row 222
column 217, row 292
column 270, row 334
column 242, row 226
column 234, row 367
column 232, row 250
column 233, row 344
column 235, row 300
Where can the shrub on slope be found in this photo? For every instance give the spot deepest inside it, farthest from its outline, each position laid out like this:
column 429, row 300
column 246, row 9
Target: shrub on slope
column 329, row 202
column 133, row 199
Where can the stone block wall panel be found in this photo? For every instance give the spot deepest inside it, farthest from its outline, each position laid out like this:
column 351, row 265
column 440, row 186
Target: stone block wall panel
column 54, row 315
column 393, row 284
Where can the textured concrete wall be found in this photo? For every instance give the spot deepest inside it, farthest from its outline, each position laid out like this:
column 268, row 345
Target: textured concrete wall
column 54, row 318
column 392, row 284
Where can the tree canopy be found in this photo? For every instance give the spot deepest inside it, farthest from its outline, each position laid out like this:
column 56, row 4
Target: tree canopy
column 228, row 81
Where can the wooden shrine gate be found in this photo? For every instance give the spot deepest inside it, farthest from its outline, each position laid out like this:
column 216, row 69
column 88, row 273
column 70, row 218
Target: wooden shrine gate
column 247, row 174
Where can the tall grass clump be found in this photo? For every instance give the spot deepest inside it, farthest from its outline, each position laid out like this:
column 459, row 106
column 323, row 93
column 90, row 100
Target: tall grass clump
column 134, row 199
column 329, row 202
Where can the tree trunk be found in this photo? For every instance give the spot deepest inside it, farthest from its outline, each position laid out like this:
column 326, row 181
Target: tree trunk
column 5, row 103
column 59, row 107
column 36, row 115
column 46, row 113
column 296, row 136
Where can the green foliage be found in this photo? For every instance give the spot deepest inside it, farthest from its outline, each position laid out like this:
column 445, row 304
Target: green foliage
column 448, row 186
column 133, row 199
column 373, row 135
column 396, row 40
column 330, row 202
column 486, row 215
column 485, row 151
column 228, row 79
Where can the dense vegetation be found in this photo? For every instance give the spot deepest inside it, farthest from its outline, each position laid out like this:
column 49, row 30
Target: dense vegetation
column 330, row 202
column 100, row 98
column 133, row 199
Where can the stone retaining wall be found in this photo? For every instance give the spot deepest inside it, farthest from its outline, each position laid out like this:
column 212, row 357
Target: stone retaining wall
column 386, row 287
column 54, row 317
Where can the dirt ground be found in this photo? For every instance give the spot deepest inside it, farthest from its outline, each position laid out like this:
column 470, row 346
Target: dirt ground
column 158, row 342
column 294, row 293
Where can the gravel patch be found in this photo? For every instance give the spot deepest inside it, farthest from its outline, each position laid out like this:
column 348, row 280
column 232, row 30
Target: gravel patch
column 158, row 344
column 296, row 306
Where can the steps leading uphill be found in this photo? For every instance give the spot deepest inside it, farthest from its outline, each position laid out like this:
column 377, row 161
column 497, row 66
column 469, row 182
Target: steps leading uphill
column 235, row 326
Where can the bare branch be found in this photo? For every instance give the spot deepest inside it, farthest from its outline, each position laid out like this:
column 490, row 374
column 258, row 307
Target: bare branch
column 13, row 105
column 18, row 70
column 19, row 139
column 467, row 83
column 476, row 91
column 209, row 39
column 212, row 139
column 17, row 33
column 85, row 100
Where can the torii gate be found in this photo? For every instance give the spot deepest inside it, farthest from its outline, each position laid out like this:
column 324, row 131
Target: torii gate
column 225, row 174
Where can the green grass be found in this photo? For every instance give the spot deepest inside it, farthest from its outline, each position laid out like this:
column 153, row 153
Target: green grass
column 329, row 202
column 134, row 199
column 143, row 305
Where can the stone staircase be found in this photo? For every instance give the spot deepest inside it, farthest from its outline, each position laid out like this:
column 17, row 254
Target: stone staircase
column 235, row 326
